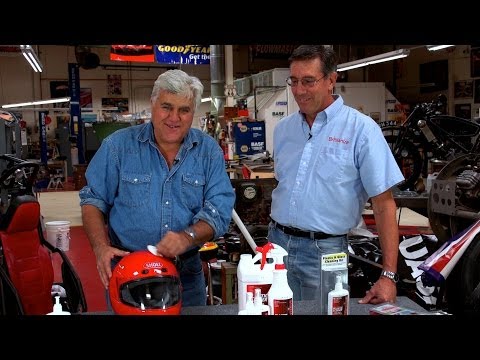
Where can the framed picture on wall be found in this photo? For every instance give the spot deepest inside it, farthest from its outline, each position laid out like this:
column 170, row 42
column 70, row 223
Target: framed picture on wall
column 463, row 89
column 476, row 92
column 463, row 111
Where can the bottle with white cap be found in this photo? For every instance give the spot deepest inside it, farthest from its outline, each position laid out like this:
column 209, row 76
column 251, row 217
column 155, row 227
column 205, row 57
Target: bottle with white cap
column 250, row 306
column 338, row 299
column 258, row 302
column 280, row 295
column 57, row 308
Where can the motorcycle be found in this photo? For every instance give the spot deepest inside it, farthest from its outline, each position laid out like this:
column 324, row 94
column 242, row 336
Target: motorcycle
column 429, row 134
column 17, row 178
column 453, row 206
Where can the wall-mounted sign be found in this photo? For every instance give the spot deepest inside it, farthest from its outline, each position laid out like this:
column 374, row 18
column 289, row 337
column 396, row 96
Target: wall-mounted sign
column 274, row 51
column 182, row 54
column 138, row 53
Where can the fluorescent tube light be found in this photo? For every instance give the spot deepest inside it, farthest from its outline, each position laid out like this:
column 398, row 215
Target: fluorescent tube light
column 31, row 57
column 437, row 47
column 392, row 55
column 39, row 102
column 206, row 99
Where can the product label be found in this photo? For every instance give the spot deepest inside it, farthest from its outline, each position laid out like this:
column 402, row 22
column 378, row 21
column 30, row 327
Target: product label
column 340, row 305
column 334, row 262
column 283, row 307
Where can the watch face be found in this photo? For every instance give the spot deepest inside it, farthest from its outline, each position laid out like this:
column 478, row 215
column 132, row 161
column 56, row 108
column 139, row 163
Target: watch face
column 390, row 274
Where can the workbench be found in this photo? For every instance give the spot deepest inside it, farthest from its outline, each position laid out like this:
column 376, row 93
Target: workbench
column 301, row 308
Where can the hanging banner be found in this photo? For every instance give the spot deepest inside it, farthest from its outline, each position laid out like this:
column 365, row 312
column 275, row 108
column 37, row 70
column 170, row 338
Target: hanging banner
column 43, row 136
column 137, row 53
column 76, row 126
column 182, row 54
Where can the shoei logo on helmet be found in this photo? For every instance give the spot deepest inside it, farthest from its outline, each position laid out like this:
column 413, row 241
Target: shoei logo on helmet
column 152, row 264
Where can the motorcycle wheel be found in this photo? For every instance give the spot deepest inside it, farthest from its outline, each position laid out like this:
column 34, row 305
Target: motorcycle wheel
column 408, row 158
column 445, row 226
column 463, row 284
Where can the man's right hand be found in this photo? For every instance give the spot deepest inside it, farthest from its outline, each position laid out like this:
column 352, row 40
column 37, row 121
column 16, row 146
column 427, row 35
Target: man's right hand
column 104, row 255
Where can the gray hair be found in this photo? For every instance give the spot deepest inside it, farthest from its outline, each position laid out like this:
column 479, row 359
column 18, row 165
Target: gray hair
column 178, row 82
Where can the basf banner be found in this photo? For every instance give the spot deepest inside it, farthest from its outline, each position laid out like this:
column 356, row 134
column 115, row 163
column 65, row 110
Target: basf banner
column 182, row 54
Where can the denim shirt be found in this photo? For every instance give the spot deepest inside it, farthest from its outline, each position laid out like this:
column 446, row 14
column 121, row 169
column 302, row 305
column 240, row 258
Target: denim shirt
column 129, row 179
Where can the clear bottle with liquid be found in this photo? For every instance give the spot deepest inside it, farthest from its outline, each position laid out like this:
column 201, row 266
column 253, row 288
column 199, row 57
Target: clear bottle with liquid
column 338, row 299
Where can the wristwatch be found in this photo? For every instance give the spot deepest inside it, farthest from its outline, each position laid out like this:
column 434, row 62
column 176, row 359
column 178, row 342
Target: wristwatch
column 391, row 275
column 190, row 232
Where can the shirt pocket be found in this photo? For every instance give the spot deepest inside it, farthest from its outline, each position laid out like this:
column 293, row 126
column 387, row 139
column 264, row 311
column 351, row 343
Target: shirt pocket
column 134, row 189
column 330, row 163
column 193, row 186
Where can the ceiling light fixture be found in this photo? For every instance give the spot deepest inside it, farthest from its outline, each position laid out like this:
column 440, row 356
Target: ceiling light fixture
column 437, row 47
column 31, row 57
column 392, row 55
column 39, row 102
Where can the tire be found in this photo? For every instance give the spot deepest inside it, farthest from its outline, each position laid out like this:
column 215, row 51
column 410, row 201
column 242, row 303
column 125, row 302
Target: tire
column 463, row 290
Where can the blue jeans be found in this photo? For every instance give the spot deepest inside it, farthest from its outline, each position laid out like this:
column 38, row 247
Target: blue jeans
column 192, row 278
column 193, row 282
column 304, row 260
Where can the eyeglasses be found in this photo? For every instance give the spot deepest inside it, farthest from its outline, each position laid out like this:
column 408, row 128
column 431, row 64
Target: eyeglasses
column 306, row 82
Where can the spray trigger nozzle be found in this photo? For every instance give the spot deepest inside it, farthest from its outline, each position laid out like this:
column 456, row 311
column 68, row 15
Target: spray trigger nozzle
column 264, row 250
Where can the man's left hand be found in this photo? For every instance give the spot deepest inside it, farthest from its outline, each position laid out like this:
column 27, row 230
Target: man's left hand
column 384, row 290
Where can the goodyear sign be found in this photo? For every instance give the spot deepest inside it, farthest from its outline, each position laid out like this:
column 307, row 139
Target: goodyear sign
column 182, row 54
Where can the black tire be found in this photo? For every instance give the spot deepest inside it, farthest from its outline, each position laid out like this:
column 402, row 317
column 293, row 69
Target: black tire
column 408, row 158
column 463, row 289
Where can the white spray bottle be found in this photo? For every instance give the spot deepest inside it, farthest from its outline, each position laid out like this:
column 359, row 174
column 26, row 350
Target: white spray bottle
column 57, row 308
column 280, row 295
column 338, row 298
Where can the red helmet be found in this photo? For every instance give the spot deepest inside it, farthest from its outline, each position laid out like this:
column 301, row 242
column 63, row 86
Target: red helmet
column 145, row 284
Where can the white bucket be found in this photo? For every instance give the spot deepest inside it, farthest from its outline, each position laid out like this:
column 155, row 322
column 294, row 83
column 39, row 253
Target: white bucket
column 58, row 234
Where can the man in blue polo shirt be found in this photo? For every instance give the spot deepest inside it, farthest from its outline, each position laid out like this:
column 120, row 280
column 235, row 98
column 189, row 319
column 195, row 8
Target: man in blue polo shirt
column 329, row 159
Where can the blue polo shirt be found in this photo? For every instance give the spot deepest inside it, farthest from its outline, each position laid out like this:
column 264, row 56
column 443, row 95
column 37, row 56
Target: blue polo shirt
column 129, row 179
column 325, row 179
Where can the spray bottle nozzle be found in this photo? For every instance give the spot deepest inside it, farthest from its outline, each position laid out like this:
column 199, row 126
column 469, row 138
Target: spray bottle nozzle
column 264, row 250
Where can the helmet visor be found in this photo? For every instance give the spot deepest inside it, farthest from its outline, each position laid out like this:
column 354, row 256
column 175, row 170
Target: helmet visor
column 151, row 293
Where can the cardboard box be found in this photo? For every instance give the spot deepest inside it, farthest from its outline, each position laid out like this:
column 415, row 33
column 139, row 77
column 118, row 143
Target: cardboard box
column 249, row 137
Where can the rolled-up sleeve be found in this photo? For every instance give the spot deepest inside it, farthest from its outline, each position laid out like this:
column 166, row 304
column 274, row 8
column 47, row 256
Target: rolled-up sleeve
column 102, row 177
column 219, row 196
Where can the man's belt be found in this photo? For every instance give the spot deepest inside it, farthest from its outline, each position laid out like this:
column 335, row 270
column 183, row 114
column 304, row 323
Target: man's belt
column 313, row 235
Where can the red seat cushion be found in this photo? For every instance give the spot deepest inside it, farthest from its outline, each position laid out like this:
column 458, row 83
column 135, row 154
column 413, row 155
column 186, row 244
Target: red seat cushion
column 28, row 262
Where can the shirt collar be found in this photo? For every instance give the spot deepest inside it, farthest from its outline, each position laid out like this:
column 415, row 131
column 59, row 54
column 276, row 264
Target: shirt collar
column 332, row 110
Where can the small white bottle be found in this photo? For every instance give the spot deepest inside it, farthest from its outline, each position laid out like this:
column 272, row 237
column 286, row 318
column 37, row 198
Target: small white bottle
column 258, row 302
column 338, row 299
column 250, row 306
column 57, row 308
